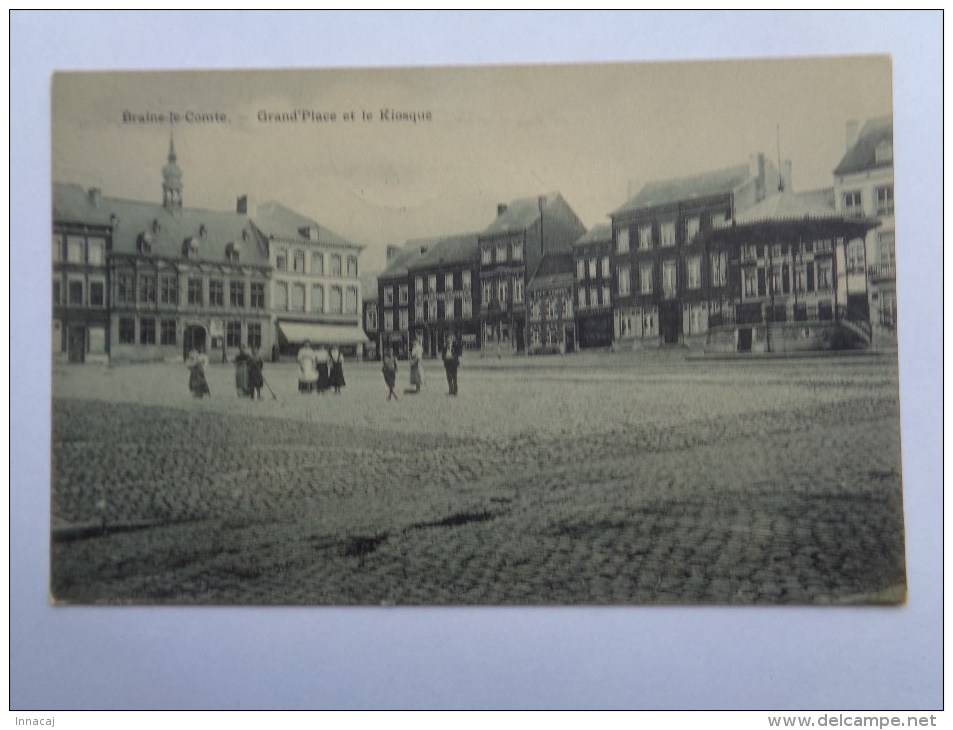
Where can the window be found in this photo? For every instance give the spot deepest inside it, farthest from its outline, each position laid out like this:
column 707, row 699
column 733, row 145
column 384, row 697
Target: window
column 317, row 264
column 403, row 294
column 350, row 300
column 486, row 255
column 465, row 281
column 254, row 334
column 335, row 264
column 852, row 203
column 855, row 256
column 388, row 320
column 297, row 264
column 487, row 291
column 667, row 231
column 168, row 290
column 388, row 296
column 281, row 260
column 567, row 306
column 467, row 307
column 352, row 265
column 297, row 297
column 502, row 291
column 57, row 294
column 418, row 310
column 370, row 317
column 750, row 282
column 281, row 296
column 645, row 237
column 824, row 274
column 97, row 293
column 127, row 331
column 167, row 332
column 419, row 286
column 605, row 268
column 57, row 247
column 257, row 299
column 518, row 251
column 96, row 251
column 719, row 220
column 236, row 293
column 624, row 282
column 594, row 293
column 592, row 267
column 500, row 252
column 622, row 240
column 691, row 229
column 448, row 282
column 432, row 310
column 887, row 247
column 448, row 309
column 432, row 283
column 581, row 296
column 232, row 254
column 147, row 331
column 75, row 292
column 719, row 268
column 147, row 289
column 884, row 197
column 580, row 269
column 606, row 296
column 517, row 290
column 317, row 298
column 336, row 303
column 404, row 321
column 535, row 312
column 216, row 293
column 233, row 333
column 645, row 278
column 75, row 249
column 693, row 264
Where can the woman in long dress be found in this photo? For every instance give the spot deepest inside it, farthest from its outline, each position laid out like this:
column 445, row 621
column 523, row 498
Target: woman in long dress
column 307, row 377
column 321, row 362
column 197, row 382
column 337, row 370
column 256, row 378
column 416, row 371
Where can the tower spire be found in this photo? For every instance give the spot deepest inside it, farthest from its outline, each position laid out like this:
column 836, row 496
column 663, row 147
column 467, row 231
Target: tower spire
column 172, row 180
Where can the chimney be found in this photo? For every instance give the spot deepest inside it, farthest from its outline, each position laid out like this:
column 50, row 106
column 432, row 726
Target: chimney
column 500, row 209
column 95, row 196
column 853, row 127
column 242, row 205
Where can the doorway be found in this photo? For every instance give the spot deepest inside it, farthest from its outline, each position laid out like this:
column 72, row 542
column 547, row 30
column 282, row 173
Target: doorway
column 193, row 338
column 744, row 339
column 77, row 344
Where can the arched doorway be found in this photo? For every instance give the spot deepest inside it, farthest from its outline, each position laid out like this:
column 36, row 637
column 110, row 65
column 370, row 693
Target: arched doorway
column 193, row 338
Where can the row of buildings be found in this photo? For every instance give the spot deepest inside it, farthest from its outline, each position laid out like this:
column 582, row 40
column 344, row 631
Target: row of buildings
column 135, row 280
column 731, row 260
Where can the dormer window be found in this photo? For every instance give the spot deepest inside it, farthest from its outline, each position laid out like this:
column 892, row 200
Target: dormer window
column 310, row 232
column 144, row 243
column 884, row 151
column 232, row 253
column 191, row 248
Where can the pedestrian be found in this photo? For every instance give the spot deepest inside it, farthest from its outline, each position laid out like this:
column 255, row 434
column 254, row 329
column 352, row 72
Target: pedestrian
column 337, row 370
column 321, row 362
column 389, row 369
column 256, row 376
column 307, row 377
column 451, row 361
column 416, row 368
column 242, row 385
column 196, row 364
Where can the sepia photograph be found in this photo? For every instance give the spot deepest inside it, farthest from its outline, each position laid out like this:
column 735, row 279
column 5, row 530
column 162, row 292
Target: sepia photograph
column 569, row 334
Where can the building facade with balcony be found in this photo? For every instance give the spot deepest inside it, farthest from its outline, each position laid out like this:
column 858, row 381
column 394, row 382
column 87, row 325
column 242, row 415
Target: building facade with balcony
column 176, row 278
column 666, row 284
column 315, row 287
column 863, row 187
column 552, row 323
column 593, row 284
column 511, row 248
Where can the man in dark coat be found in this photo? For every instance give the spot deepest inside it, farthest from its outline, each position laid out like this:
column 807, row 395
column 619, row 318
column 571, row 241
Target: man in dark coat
column 451, row 362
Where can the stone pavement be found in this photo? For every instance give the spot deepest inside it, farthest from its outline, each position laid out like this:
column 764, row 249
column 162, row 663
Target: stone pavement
column 670, row 483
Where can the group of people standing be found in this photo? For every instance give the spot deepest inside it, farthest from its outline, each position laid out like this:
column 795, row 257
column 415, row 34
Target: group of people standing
column 451, row 362
column 318, row 370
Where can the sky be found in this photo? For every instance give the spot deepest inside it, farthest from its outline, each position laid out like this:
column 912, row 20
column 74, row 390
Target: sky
column 483, row 135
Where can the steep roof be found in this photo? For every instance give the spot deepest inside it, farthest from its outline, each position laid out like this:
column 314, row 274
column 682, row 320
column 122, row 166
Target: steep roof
column 554, row 270
column 598, row 234
column 397, row 266
column 787, row 206
column 458, row 249
column 662, row 192
column 167, row 232
column 520, row 214
column 281, row 223
column 863, row 154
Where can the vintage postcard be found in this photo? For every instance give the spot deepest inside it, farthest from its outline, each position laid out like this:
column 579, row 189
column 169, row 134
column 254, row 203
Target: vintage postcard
column 553, row 335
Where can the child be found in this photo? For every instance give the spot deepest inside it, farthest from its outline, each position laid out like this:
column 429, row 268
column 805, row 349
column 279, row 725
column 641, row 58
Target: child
column 390, row 373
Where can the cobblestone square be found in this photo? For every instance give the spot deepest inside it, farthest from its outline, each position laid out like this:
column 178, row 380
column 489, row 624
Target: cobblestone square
column 627, row 478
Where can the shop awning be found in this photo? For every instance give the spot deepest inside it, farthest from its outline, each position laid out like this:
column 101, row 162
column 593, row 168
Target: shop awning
column 325, row 334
